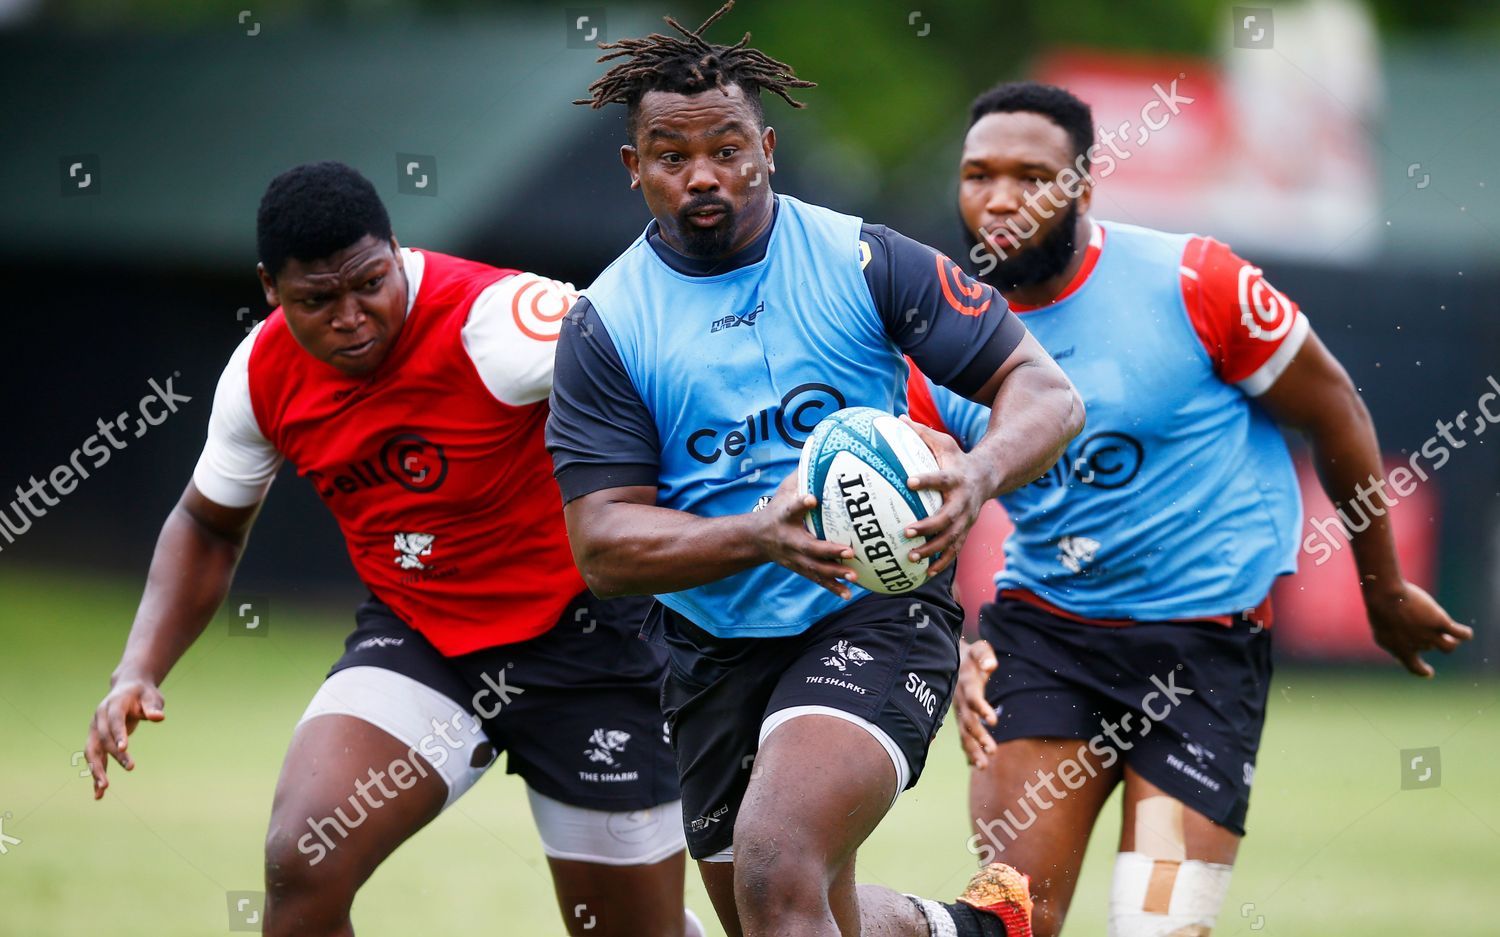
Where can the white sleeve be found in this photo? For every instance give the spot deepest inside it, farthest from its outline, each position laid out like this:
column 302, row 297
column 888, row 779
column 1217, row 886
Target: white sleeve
column 511, row 335
column 238, row 463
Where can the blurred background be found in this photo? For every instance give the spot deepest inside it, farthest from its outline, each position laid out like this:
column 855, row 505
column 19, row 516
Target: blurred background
column 1347, row 147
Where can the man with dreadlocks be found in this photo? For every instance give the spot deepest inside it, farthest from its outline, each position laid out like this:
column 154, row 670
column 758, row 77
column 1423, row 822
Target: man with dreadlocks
column 687, row 379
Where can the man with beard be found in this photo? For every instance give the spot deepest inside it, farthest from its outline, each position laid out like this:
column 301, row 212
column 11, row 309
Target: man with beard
column 688, row 377
column 1128, row 641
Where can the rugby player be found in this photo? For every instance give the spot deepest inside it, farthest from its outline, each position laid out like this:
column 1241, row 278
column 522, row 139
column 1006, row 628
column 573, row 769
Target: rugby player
column 688, row 377
column 410, row 388
column 1128, row 642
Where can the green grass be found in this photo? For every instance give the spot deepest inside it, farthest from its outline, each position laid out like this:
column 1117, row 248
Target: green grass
column 1336, row 847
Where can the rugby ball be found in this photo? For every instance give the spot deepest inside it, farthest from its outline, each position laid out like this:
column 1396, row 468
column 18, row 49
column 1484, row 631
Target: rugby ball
column 856, row 463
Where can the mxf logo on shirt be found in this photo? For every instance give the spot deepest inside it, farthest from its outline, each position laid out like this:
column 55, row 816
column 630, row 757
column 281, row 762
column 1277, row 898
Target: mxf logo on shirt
column 411, row 461
column 732, row 320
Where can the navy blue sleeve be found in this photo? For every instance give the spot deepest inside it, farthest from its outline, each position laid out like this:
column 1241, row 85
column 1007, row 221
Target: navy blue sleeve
column 957, row 329
column 599, row 432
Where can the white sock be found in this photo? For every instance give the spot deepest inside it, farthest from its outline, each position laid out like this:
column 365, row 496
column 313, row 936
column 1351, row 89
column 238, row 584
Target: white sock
column 939, row 921
column 694, row 926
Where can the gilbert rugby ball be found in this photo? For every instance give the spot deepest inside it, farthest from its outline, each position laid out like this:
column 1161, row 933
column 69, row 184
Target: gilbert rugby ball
column 856, row 463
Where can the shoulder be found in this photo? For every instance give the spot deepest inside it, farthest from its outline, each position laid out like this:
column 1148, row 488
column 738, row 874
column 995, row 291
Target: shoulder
column 520, row 305
column 444, row 280
column 1250, row 329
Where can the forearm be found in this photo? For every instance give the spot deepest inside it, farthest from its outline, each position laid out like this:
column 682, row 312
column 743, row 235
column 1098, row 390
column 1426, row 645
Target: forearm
column 190, row 574
column 1034, row 416
column 638, row 549
column 1346, row 454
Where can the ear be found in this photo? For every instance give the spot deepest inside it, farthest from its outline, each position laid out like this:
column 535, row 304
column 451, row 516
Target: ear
column 768, row 146
column 632, row 161
column 400, row 262
column 268, row 286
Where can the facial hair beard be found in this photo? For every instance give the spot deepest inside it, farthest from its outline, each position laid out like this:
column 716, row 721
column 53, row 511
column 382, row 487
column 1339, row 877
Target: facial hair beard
column 707, row 243
column 1035, row 263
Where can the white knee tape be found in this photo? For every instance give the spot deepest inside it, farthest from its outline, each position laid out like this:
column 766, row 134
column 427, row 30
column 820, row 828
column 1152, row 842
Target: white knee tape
column 1165, row 897
column 417, row 716
column 627, row 837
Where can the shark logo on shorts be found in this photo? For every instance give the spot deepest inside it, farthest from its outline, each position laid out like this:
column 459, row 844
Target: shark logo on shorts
column 1076, row 552
column 410, row 547
column 607, row 743
column 845, row 654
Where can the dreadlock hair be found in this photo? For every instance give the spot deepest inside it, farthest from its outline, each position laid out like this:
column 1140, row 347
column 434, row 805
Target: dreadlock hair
column 689, row 65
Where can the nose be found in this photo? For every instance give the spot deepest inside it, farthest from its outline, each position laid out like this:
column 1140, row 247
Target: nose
column 348, row 314
column 702, row 177
column 1003, row 198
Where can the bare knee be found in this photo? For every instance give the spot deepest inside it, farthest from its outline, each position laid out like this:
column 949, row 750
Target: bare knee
column 777, row 878
column 308, row 890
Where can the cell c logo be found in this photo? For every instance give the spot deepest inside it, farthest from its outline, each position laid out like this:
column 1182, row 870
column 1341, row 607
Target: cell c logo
column 1108, row 460
column 803, row 407
column 539, row 307
column 959, row 290
column 1266, row 313
column 415, row 463
column 793, row 420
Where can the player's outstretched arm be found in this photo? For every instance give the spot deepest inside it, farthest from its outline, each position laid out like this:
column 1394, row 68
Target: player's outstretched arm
column 1034, row 413
column 192, row 566
column 1315, row 396
column 624, row 544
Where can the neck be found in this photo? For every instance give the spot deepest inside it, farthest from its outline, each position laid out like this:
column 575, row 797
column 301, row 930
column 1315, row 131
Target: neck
column 1045, row 291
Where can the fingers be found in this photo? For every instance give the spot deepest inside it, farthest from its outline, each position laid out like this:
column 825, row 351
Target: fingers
column 983, row 655
column 819, row 561
column 797, row 507
column 93, row 753
column 1414, row 663
column 973, row 737
column 1456, row 632
column 942, row 480
column 114, row 730
column 947, row 540
column 153, row 707
column 972, row 711
column 941, row 444
column 950, row 552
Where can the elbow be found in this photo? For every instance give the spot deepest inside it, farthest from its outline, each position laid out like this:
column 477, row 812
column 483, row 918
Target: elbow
column 593, row 564
column 602, row 586
column 1074, row 419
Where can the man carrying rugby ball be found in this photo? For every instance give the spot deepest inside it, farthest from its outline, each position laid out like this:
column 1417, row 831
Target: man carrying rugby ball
column 688, row 377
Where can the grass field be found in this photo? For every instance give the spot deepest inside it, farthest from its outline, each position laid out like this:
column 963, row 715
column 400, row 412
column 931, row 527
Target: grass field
column 1336, row 846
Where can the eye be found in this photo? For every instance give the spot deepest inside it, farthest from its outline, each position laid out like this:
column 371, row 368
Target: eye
column 728, row 151
column 374, row 283
column 672, row 158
